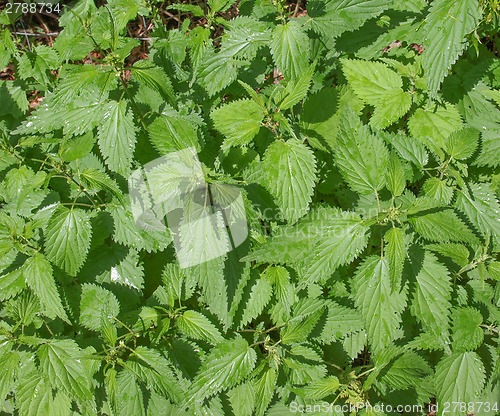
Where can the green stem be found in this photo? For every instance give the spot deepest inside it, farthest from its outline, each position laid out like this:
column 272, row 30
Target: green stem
column 380, row 227
column 275, row 327
column 364, row 373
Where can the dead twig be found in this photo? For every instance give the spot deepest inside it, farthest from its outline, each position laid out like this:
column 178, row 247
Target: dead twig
column 297, row 6
column 36, row 34
column 27, row 39
column 45, row 28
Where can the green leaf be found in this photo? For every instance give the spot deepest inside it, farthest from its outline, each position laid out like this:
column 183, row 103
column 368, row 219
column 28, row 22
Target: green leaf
column 321, row 388
column 196, row 325
column 24, row 309
column 9, row 365
column 77, row 118
column 438, row 189
column 406, row 371
column 158, row 406
column 117, row 136
column 457, row 252
column 243, row 37
column 96, row 180
column 478, row 111
column 126, row 231
column 379, row 305
column 332, row 18
column 130, row 397
column 153, row 369
column 410, row 150
column 195, row 9
column 73, row 43
column 218, row 70
column 22, row 190
column 420, row 205
column 481, row 207
column 13, row 96
column 115, row 265
column 395, row 181
column 441, row 226
column 5, row 55
column 11, row 283
column 482, row 292
column 303, row 364
column 80, row 117
column 34, row 396
column 220, row 5
column 242, row 399
column 97, row 304
column 377, row 85
column 174, row 46
column 319, row 243
column 462, row 144
column 432, row 293
column 289, row 175
column 73, row 81
column 239, row 121
column 490, row 147
column 265, row 385
column 253, row 94
column 295, row 90
column 261, row 294
column 494, row 270
column 340, row 321
column 15, row 180
column 120, row 12
column 37, row 63
column 73, row 148
column 227, row 364
column 280, row 279
column 37, row 273
column 467, row 335
column 320, row 117
column 170, row 132
column 199, row 42
column 177, row 285
column 361, row 157
column 290, row 49
column 202, row 234
column 305, row 317
column 67, row 238
column 459, row 378
column 445, row 28
column 434, row 125
column 396, row 252
column 147, row 72
column 211, row 279
column 60, row 360
column 340, row 241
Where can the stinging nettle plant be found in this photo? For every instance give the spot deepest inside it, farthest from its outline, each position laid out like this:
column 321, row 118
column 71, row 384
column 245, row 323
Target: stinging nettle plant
column 364, row 139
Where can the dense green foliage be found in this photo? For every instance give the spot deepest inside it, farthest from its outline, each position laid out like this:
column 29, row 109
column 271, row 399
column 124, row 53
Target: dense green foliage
column 364, row 136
